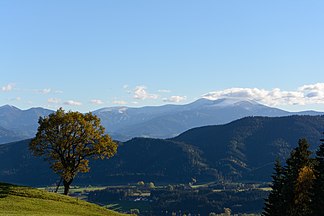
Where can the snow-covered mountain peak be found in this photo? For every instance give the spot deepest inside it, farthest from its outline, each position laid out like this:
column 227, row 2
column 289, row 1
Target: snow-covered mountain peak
column 119, row 109
column 225, row 102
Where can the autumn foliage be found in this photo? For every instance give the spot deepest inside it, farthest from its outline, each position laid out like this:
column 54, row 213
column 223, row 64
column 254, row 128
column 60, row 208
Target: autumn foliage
column 68, row 140
column 298, row 188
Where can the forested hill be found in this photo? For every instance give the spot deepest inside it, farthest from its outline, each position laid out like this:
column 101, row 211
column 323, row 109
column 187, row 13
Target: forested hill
column 242, row 150
column 246, row 148
column 10, row 135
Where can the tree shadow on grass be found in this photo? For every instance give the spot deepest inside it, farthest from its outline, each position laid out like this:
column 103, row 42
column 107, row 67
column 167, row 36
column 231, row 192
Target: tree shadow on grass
column 5, row 189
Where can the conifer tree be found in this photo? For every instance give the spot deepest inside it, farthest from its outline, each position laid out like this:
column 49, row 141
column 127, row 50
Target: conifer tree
column 318, row 188
column 298, row 181
column 302, row 199
column 274, row 203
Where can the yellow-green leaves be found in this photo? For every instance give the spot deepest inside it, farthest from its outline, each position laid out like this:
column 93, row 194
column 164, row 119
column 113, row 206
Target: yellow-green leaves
column 68, row 139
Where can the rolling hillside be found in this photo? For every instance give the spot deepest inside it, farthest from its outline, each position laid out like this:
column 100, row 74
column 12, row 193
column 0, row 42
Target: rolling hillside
column 137, row 159
column 247, row 148
column 19, row 200
column 242, row 150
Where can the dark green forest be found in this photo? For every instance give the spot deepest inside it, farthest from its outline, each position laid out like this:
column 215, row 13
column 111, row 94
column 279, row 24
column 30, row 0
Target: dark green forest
column 298, row 186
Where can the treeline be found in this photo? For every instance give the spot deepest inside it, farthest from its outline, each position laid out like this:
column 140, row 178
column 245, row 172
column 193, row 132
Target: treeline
column 180, row 198
column 205, row 201
column 298, row 187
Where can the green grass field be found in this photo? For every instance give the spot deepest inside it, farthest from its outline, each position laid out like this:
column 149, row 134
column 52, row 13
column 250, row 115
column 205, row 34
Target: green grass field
column 19, row 200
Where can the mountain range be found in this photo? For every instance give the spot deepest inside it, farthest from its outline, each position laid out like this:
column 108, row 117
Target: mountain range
column 124, row 123
column 243, row 150
column 17, row 124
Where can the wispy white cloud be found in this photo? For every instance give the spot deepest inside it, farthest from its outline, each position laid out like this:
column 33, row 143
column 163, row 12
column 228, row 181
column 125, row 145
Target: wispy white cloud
column 44, row 91
column 127, row 89
column 72, row 103
column 175, row 99
column 307, row 94
column 8, row 87
column 16, row 99
column 53, row 100
column 47, row 91
column 141, row 93
column 119, row 102
column 164, row 90
column 58, row 91
column 96, row 101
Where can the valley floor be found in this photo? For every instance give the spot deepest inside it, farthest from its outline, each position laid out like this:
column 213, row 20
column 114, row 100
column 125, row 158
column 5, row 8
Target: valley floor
column 177, row 199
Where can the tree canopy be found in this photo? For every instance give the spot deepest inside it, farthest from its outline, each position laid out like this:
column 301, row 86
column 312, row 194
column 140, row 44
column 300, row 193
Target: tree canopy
column 298, row 188
column 318, row 187
column 274, row 202
column 68, row 140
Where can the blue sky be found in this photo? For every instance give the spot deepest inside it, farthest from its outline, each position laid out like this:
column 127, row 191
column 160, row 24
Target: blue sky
column 84, row 55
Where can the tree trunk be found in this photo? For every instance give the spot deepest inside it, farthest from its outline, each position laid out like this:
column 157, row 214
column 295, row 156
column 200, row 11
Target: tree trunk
column 67, row 186
column 58, row 185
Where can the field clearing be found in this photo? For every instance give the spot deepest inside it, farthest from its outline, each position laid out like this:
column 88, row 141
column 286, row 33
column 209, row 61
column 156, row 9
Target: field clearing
column 73, row 189
column 265, row 189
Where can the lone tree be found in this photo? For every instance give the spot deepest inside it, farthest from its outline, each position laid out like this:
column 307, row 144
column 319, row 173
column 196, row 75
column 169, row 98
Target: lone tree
column 68, row 139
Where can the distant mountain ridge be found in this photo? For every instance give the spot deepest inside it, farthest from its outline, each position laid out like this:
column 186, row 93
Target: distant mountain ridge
column 166, row 121
column 10, row 136
column 243, row 150
column 171, row 120
column 20, row 124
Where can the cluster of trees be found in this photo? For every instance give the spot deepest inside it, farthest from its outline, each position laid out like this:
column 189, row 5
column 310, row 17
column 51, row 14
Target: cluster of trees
column 206, row 200
column 175, row 198
column 298, row 187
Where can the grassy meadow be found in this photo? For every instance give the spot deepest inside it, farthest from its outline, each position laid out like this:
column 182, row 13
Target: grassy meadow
column 19, row 200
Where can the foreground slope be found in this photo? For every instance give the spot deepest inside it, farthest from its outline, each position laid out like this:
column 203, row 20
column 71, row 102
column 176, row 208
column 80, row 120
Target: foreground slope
column 18, row 200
